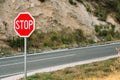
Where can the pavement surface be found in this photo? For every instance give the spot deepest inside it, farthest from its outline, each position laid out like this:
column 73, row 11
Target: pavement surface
column 10, row 66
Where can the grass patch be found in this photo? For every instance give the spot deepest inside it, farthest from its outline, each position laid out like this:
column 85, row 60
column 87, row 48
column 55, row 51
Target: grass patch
column 5, row 52
column 91, row 71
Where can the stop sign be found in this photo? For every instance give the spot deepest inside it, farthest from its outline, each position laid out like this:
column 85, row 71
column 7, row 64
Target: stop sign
column 24, row 24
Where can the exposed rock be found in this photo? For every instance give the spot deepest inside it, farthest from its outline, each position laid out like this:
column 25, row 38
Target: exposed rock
column 49, row 16
column 111, row 20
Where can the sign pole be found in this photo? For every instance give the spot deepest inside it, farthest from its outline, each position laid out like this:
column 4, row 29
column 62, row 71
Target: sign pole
column 25, row 58
column 24, row 25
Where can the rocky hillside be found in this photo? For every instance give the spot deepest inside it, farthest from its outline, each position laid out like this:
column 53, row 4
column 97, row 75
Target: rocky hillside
column 55, row 15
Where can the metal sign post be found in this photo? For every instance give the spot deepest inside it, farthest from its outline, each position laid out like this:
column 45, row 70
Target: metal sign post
column 25, row 58
column 24, row 25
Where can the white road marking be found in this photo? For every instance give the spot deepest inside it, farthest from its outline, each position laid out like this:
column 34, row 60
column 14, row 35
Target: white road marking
column 58, row 67
column 39, row 60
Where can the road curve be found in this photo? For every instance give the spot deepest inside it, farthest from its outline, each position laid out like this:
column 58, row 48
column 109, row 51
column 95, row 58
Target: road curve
column 15, row 65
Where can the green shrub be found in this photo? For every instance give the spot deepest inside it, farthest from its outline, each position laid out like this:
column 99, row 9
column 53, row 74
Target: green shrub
column 66, row 39
column 97, row 28
column 35, row 39
column 117, row 35
column 108, row 38
column 102, row 16
column 16, row 42
column 111, row 32
column 88, row 9
column 5, row 51
column 71, row 2
column 42, row 1
column 113, row 27
column 79, row 36
column 91, row 41
column 111, row 4
column 118, row 17
column 47, row 43
column 54, row 36
column 34, row 77
column 104, row 33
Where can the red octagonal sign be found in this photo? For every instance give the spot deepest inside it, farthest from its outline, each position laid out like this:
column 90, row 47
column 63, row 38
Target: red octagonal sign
column 24, row 24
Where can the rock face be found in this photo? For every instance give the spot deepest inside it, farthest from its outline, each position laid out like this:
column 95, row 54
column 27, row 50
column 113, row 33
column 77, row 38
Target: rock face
column 49, row 15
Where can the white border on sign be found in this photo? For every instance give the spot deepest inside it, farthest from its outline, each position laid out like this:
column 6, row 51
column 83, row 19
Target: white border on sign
column 33, row 24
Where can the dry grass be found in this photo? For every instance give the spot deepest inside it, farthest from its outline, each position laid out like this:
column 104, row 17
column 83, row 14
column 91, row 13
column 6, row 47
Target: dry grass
column 103, row 70
column 114, row 76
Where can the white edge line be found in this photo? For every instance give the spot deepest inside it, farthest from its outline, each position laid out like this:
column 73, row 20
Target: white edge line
column 11, row 74
column 55, row 68
column 59, row 50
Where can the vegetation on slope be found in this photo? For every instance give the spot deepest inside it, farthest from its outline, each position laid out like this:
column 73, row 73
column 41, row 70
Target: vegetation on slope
column 107, row 33
column 102, row 8
column 51, row 40
column 66, row 38
column 105, row 7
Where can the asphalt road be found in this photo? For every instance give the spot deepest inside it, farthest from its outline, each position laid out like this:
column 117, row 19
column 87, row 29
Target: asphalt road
column 15, row 65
